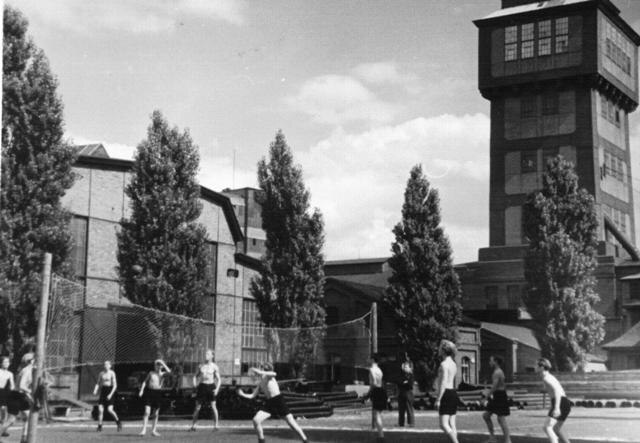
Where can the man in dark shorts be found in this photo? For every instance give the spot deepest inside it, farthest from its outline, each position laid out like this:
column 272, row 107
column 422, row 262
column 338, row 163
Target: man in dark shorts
column 152, row 396
column 106, row 386
column 377, row 394
column 208, row 382
column 275, row 404
column 7, row 385
column 20, row 400
column 447, row 400
column 498, row 403
column 560, row 404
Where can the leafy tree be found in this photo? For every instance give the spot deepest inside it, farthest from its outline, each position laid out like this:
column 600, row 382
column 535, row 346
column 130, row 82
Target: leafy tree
column 561, row 226
column 424, row 290
column 289, row 291
column 36, row 172
column 162, row 249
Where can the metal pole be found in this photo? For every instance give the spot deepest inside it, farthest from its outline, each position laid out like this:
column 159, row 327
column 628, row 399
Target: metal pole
column 40, row 345
column 374, row 327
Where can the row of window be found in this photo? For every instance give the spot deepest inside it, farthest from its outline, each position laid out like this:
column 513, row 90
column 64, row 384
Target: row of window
column 610, row 111
column 533, row 106
column 547, row 36
column 496, row 299
column 618, row 48
column 523, row 169
column 614, row 167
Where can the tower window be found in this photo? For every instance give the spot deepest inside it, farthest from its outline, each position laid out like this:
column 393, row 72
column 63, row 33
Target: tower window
column 527, row 41
column 562, row 35
column 511, row 43
column 527, row 107
column 549, row 104
column 529, row 161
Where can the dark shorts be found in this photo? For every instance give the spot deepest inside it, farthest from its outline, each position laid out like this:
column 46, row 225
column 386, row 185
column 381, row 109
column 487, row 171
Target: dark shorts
column 565, row 409
column 378, row 399
column 448, row 402
column 276, row 406
column 4, row 397
column 104, row 393
column 152, row 398
column 206, row 393
column 18, row 402
column 499, row 404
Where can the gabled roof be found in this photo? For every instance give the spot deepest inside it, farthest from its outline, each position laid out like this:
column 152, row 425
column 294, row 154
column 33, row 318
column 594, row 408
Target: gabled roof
column 93, row 150
column 630, row 339
column 531, row 7
column 518, row 334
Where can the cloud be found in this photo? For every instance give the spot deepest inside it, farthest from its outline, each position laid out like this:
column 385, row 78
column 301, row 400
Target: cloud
column 339, row 99
column 381, row 73
column 358, row 180
column 138, row 17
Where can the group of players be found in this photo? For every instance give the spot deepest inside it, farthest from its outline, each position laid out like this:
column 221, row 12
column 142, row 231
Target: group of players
column 16, row 396
column 497, row 402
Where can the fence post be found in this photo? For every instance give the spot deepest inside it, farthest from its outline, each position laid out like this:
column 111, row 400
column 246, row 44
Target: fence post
column 40, row 346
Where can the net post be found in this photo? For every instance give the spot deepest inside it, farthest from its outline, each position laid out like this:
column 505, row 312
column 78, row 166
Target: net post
column 40, row 345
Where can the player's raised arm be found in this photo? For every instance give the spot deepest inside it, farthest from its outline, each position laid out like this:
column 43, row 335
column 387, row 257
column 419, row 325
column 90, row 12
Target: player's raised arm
column 251, row 396
column 262, row 373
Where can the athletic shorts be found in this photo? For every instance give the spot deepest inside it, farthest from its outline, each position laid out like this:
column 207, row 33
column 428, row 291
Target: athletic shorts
column 565, row 409
column 4, row 397
column 276, row 406
column 18, row 402
column 104, row 394
column 152, row 398
column 448, row 402
column 378, row 399
column 499, row 404
column 206, row 393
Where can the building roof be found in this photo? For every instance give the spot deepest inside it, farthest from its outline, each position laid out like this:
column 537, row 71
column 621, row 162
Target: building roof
column 93, row 150
column 630, row 339
column 370, row 292
column 117, row 164
column 518, row 334
column 531, row 7
column 357, row 261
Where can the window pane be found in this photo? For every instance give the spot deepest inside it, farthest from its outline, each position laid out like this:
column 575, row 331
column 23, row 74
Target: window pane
column 544, row 28
column 527, row 32
column 511, row 52
column 529, row 162
column 511, row 34
column 550, row 104
column 527, row 107
column 544, row 46
column 562, row 26
column 527, row 49
column 562, row 44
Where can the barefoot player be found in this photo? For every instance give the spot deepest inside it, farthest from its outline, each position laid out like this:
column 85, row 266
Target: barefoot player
column 107, row 386
column 497, row 401
column 447, row 400
column 151, row 392
column 377, row 394
column 209, row 380
column 275, row 404
column 21, row 399
column 6, row 386
column 560, row 405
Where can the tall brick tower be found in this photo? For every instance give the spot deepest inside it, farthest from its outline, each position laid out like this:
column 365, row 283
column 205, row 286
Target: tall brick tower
column 562, row 77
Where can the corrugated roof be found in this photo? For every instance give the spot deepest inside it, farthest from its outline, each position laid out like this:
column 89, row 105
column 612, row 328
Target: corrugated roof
column 93, row 150
column 535, row 6
column 630, row 339
column 519, row 334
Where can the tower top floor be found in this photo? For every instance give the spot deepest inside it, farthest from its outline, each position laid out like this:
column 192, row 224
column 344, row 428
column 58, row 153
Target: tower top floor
column 546, row 42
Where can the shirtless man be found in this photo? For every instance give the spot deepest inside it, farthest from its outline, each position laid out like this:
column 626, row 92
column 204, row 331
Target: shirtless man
column 209, row 384
column 107, row 386
column 6, row 386
column 498, row 403
column 560, row 404
column 22, row 399
column 275, row 404
column 153, row 396
column 447, row 400
column 377, row 394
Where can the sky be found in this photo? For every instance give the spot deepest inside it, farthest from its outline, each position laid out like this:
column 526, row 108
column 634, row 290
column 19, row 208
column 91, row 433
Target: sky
column 362, row 89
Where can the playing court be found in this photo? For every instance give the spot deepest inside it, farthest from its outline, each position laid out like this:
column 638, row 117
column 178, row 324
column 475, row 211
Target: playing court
column 584, row 425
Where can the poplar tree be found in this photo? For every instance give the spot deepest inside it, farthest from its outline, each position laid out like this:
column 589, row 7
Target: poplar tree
column 162, row 253
column 561, row 226
column 36, row 172
column 289, row 291
column 424, row 290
